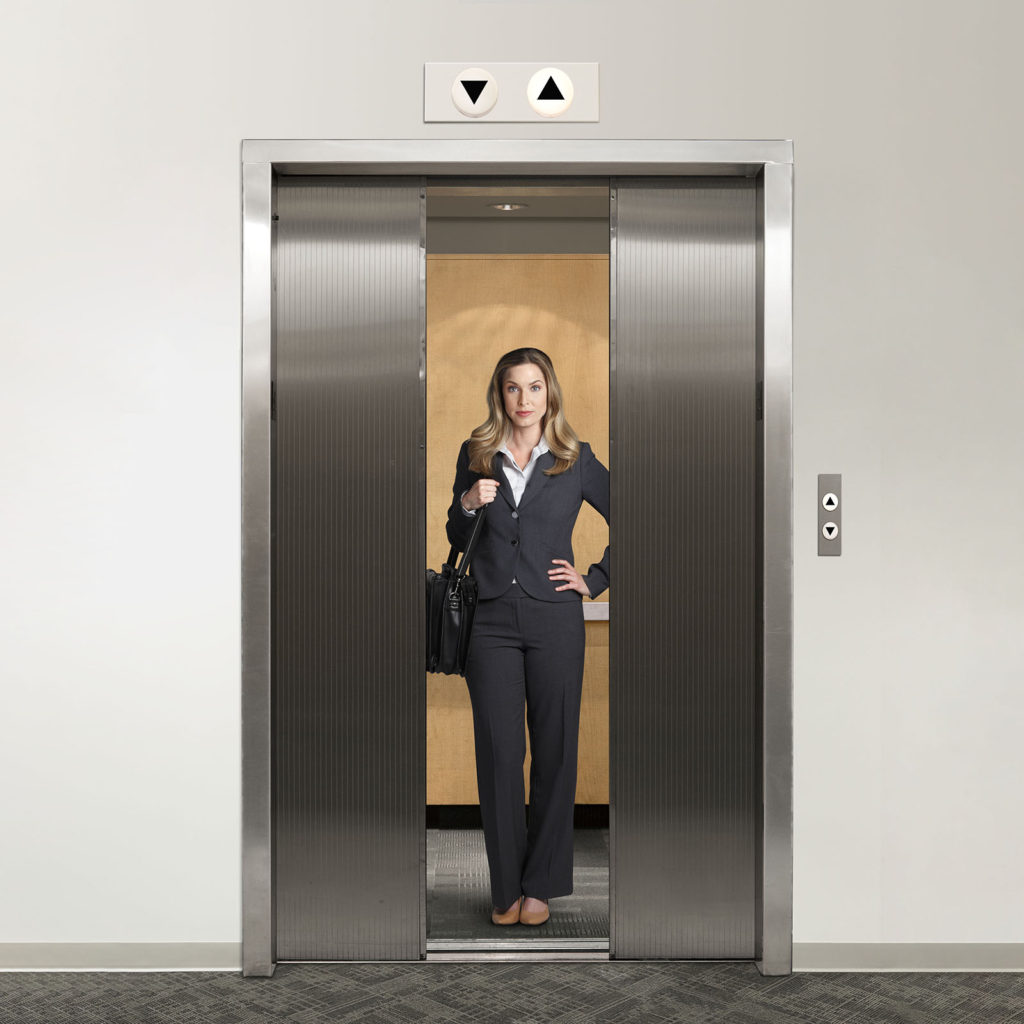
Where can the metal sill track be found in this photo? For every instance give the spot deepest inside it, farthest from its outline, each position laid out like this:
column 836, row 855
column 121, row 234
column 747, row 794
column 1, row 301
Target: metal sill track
column 517, row 949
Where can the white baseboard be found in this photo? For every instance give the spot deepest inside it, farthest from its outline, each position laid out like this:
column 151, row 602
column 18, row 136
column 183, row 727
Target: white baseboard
column 227, row 956
column 120, row 956
column 908, row 956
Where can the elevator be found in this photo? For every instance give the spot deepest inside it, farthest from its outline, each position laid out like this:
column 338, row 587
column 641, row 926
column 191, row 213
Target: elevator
column 335, row 541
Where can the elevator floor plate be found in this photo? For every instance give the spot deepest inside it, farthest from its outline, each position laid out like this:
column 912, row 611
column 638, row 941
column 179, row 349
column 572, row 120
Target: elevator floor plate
column 459, row 900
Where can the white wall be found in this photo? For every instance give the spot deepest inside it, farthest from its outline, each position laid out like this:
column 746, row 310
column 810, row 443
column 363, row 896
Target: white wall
column 121, row 123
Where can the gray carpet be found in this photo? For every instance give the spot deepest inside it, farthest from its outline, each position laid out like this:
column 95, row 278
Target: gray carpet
column 508, row 992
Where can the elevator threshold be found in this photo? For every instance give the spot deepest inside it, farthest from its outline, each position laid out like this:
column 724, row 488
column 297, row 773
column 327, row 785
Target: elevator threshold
column 517, row 949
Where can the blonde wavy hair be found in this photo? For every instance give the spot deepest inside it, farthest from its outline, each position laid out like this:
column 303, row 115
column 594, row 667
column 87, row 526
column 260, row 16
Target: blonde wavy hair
column 486, row 439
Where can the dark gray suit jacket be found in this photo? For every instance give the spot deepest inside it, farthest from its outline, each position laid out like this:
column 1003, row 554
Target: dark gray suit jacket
column 520, row 543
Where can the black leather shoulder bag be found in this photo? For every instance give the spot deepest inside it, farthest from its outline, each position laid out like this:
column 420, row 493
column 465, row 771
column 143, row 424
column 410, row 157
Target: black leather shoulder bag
column 451, row 606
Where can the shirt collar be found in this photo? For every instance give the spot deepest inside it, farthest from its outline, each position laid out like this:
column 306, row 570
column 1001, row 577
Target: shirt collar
column 538, row 451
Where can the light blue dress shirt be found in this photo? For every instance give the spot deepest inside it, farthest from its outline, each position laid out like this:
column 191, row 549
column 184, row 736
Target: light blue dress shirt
column 517, row 478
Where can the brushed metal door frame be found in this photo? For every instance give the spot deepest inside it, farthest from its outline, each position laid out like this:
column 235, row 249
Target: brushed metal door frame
column 772, row 164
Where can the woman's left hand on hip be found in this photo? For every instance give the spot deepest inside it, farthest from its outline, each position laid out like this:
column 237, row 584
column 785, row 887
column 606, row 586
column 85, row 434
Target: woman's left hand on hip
column 566, row 571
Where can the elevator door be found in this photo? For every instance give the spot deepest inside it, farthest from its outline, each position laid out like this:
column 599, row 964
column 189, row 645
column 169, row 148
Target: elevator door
column 349, row 555
column 685, row 746
column 349, row 478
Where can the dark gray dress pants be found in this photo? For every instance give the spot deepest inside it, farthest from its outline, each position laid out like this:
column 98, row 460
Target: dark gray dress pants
column 527, row 651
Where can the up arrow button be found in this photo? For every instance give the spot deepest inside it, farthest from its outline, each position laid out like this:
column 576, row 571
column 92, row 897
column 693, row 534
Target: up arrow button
column 830, row 502
column 550, row 92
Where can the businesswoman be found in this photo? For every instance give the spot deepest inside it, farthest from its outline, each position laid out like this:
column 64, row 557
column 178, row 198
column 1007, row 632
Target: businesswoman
column 527, row 464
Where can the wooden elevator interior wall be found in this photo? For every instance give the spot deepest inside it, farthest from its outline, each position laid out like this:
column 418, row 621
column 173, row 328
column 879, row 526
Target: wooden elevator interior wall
column 480, row 306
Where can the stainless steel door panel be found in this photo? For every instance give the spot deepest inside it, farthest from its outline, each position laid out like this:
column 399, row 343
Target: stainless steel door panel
column 349, row 551
column 685, row 743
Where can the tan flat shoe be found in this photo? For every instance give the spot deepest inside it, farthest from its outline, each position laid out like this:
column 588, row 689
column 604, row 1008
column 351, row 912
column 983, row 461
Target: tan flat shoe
column 510, row 916
column 534, row 916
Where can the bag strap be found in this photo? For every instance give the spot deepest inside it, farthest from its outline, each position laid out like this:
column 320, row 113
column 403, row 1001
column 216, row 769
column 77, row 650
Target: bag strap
column 464, row 564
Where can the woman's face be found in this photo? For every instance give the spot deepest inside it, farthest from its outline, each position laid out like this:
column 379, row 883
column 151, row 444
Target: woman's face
column 525, row 394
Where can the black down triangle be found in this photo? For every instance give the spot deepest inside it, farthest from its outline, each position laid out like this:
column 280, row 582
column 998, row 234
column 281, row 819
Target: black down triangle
column 550, row 91
column 473, row 88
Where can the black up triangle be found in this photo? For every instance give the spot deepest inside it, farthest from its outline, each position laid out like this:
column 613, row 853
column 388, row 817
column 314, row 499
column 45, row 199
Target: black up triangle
column 550, row 91
column 473, row 88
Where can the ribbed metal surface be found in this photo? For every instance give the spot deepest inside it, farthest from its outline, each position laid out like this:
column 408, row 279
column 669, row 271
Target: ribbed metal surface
column 349, row 715
column 685, row 748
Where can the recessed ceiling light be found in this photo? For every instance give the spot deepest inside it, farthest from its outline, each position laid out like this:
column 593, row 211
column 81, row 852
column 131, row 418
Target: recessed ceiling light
column 508, row 206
